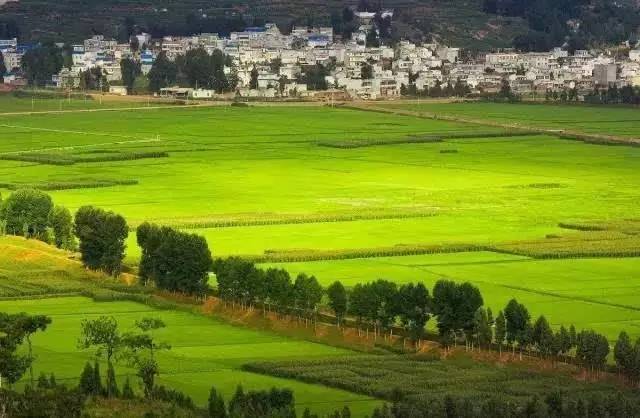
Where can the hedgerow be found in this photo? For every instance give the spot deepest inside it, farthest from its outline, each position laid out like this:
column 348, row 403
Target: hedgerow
column 68, row 185
column 48, row 159
column 126, row 156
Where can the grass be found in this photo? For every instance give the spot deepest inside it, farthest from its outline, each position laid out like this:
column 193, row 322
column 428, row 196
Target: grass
column 590, row 293
column 204, row 352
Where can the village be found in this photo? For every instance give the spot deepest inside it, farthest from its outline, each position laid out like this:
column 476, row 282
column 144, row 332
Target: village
column 269, row 64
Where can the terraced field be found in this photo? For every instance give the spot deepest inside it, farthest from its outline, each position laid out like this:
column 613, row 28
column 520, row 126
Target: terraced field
column 204, row 352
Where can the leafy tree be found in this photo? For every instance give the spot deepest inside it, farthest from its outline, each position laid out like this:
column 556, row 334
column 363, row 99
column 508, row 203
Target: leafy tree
column 141, row 349
column 481, row 328
column 543, row 336
column 564, row 341
column 13, row 331
column 592, row 350
column 623, row 353
column 455, row 306
column 87, row 381
column 253, row 82
column 97, row 380
column 338, row 300
column 40, row 63
column 102, row 238
column 372, row 38
column 3, row 68
column 127, row 390
column 102, row 333
column 130, row 69
column 518, row 321
column 501, row 330
column 93, row 79
column 163, row 73
column 307, row 293
column 198, row 68
column 216, row 407
column 111, row 383
column 26, row 212
column 315, row 77
column 61, row 222
column 183, row 263
column 30, row 325
column 414, row 305
column 366, row 71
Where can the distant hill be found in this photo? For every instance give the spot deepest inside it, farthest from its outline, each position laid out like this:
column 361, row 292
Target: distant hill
column 478, row 24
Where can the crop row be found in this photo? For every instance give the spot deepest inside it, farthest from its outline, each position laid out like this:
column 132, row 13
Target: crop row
column 579, row 245
column 392, row 377
column 68, row 185
column 284, row 256
column 283, row 219
column 62, row 159
column 369, row 142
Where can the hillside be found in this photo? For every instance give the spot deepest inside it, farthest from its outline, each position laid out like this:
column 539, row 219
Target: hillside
column 456, row 22
column 476, row 24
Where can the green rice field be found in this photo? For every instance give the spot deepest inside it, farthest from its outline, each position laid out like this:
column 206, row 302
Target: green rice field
column 260, row 180
column 204, row 352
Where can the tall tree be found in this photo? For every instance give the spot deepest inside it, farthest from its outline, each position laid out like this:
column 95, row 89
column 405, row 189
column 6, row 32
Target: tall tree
column 26, row 213
column 130, row 69
column 543, row 336
column 3, row 68
column 198, row 68
column 414, row 305
column 518, row 322
column 216, row 407
column 40, row 63
column 500, row 330
column 338, row 300
column 163, row 73
column 102, row 333
column 623, row 353
column 102, row 238
column 30, row 325
column 62, row 224
column 253, row 81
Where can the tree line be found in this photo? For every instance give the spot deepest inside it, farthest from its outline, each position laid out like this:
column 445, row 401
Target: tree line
column 382, row 306
column 196, row 68
column 171, row 259
column 31, row 214
column 458, row 89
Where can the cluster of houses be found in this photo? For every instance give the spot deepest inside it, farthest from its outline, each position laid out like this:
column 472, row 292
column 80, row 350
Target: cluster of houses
column 281, row 60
